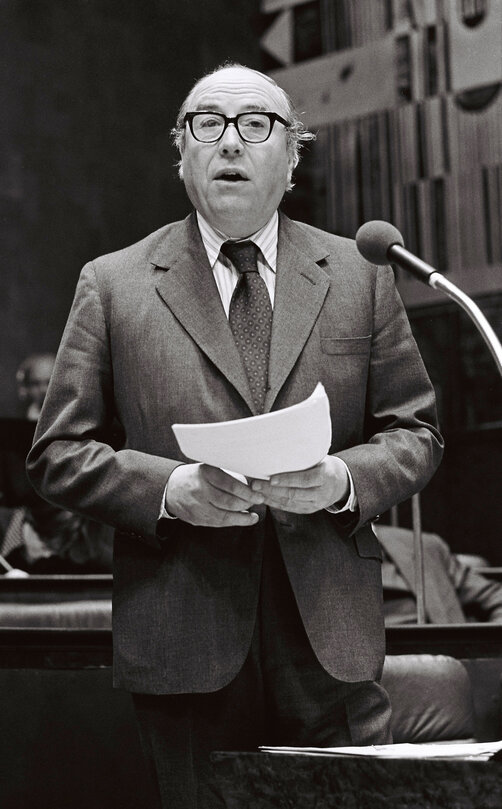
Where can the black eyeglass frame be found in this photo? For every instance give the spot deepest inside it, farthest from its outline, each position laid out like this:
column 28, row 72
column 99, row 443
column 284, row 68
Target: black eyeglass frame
column 272, row 117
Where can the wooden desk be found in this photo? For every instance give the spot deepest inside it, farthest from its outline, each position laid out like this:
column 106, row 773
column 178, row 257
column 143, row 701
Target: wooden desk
column 91, row 648
column 270, row 781
column 45, row 589
column 62, row 721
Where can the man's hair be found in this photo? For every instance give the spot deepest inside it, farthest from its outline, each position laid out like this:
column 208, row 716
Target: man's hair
column 296, row 132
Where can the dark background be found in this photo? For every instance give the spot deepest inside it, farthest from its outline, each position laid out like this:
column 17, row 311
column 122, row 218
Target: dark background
column 90, row 90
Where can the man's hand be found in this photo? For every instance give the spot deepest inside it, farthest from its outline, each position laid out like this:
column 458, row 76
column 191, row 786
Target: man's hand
column 205, row 495
column 309, row 490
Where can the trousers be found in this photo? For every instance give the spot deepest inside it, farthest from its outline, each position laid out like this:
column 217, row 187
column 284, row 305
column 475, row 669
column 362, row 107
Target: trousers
column 281, row 696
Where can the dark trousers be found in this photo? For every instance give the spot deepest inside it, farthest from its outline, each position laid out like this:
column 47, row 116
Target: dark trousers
column 281, row 696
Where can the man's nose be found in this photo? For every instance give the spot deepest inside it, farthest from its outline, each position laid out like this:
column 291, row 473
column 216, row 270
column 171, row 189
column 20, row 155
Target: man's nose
column 230, row 141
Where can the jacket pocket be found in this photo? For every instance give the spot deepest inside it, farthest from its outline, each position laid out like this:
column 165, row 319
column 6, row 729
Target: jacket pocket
column 346, row 345
column 367, row 545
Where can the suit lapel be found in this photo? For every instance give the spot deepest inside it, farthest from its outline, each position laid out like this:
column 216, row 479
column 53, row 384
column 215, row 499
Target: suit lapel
column 397, row 545
column 301, row 287
column 441, row 604
column 189, row 290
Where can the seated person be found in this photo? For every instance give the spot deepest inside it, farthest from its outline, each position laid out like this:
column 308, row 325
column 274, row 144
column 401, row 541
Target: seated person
column 47, row 540
column 16, row 434
column 35, row 536
column 454, row 592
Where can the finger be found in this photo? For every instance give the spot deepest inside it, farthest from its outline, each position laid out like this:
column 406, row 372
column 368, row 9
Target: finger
column 304, row 479
column 239, row 518
column 225, row 501
column 293, row 506
column 292, row 492
column 220, row 518
column 226, row 483
column 291, row 500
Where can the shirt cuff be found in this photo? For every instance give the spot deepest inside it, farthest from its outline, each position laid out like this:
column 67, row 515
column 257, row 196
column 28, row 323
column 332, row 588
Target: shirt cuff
column 351, row 502
column 164, row 514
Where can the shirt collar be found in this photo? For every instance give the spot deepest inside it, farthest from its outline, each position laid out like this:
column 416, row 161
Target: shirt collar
column 265, row 238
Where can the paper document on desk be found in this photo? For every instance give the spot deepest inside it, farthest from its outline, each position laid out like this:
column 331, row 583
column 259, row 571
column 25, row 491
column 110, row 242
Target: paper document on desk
column 480, row 751
column 286, row 440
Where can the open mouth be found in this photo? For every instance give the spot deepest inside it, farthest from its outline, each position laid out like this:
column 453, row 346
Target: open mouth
column 231, row 177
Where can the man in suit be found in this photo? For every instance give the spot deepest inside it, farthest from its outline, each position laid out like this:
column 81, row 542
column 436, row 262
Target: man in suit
column 453, row 591
column 244, row 612
column 35, row 536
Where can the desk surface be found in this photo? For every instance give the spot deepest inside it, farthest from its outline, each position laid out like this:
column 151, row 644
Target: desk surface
column 88, row 648
column 270, row 781
column 44, row 589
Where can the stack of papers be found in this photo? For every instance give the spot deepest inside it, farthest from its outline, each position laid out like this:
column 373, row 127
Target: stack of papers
column 286, row 440
column 480, row 751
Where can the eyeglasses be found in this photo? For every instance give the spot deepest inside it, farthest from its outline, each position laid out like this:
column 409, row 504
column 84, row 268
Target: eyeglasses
column 253, row 127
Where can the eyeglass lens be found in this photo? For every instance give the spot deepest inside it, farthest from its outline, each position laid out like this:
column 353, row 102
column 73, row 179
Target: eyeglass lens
column 251, row 126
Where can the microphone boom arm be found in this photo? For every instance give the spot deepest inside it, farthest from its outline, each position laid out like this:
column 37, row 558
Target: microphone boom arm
column 424, row 272
column 439, row 282
column 380, row 243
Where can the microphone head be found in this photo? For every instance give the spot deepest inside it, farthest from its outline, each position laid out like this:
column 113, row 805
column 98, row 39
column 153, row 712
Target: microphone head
column 373, row 240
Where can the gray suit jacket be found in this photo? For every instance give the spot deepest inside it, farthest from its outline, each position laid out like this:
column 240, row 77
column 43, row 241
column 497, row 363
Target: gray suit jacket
column 453, row 591
column 147, row 342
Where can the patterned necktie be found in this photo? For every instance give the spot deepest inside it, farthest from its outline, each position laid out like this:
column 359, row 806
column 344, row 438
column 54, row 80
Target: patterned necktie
column 250, row 317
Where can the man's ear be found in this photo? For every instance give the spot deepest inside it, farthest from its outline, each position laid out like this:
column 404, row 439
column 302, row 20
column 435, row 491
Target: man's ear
column 180, row 166
column 292, row 164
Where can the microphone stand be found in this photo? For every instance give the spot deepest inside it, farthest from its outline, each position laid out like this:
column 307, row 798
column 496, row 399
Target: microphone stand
column 437, row 281
column 370, row 243
column 418, row 551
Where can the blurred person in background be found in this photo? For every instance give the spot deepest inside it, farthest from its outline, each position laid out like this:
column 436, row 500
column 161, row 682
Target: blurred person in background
column 37, row 537
column 454, row 591
column 32, row 380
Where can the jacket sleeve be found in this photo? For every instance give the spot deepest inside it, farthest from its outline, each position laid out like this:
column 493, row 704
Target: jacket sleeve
column 481, row 598
column 72, row 462
column 403, row 446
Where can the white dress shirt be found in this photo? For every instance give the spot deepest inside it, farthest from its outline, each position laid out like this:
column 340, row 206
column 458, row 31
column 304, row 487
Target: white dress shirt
column 225, row 274
column 226, row 277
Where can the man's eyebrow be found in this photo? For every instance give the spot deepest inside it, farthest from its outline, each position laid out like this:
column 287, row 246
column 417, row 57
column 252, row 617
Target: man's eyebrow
column 256, row 108
column 207, row 107
column 217, row 108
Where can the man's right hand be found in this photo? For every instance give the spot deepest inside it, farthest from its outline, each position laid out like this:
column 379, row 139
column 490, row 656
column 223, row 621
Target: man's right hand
column 205, row 495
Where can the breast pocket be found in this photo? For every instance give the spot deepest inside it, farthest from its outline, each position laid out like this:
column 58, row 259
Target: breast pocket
column 346, row 345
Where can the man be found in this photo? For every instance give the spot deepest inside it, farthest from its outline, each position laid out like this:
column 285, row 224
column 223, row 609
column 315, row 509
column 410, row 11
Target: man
column 16, row 435
column 248, row 613
column 36, row 537
column 453, row 591
column 32, row 380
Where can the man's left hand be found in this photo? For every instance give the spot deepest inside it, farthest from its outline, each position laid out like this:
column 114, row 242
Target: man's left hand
column 308, row 490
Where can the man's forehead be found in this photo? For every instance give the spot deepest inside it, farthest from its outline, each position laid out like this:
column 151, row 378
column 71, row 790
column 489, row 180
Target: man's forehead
column 240, row 84
column 41, row 368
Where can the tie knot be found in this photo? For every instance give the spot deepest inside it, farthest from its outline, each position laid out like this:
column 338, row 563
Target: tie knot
column 243, row 255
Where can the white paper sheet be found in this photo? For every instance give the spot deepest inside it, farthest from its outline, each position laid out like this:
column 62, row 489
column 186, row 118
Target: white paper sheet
column 480, row 751
column 286, row 440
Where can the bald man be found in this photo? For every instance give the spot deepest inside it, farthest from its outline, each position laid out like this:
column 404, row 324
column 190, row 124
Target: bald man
column 246, row 612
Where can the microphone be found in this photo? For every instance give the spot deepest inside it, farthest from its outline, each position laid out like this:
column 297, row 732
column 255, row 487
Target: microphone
column 381, row 243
